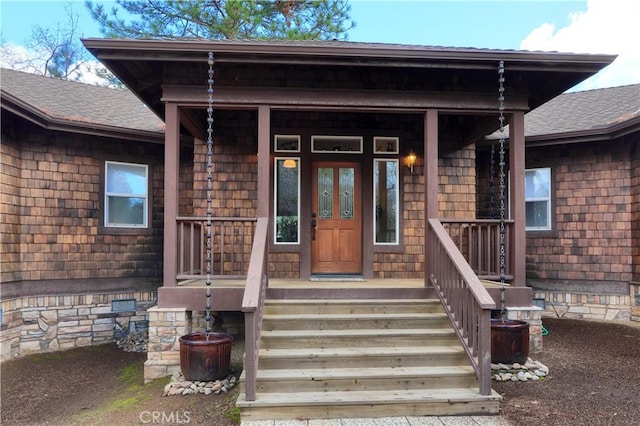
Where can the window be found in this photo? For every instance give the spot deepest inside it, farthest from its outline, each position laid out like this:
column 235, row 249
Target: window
column 537, row 190
column 287, row 200
column 385, row 201
column 342, row 144
column 126, row 199
column 287, row 143
column 384, row 145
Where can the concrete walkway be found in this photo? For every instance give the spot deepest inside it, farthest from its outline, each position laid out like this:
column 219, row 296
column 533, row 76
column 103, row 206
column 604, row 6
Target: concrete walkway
column 390, row 421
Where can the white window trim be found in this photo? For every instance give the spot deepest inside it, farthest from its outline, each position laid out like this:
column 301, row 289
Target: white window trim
column 547, row 199
column 292, row 137
column 107, row 194
column 397, row 201
column 386, row 139
column 275, row 201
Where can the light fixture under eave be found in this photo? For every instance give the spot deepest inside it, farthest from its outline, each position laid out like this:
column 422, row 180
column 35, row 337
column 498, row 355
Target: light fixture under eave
column 289, row 164
column 411, row 160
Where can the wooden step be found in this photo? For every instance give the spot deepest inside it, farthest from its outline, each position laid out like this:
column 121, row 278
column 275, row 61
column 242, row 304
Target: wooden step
column 361, row 379
column 347, row 358
column 319, row 321
column 351, row 306
column 354, row 404
column 376, row 356
column 284, row 339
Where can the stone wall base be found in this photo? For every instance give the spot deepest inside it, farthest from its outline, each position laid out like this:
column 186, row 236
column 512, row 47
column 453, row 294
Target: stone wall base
column 635, row 301
column 36, row 324
column 532, row 315
column 587, row 306
column 165, row 328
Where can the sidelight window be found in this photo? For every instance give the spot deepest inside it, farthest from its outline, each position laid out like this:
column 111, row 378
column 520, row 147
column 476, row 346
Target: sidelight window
column 386, row 201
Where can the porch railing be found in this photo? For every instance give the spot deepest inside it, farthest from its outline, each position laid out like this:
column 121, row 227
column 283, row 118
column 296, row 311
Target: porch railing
column 253, row 304
column 465, row 300
column 231, row 239
column 479, row 242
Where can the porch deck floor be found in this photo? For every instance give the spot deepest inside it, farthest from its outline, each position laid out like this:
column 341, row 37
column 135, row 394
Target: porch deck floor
column 297, row 283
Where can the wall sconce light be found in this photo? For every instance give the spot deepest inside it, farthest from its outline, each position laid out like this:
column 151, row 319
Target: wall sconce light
column 289, row 163
column 411, row 160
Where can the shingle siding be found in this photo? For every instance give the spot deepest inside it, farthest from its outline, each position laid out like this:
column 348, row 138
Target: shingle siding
column 591, row 240
column 52, row 198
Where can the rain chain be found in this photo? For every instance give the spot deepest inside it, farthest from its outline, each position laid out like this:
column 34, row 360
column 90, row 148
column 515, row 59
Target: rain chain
column 492, row 183
column 209, row 238
column 501, row 186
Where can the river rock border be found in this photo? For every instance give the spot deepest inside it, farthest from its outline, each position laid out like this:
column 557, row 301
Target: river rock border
column 179, row 385
column 516, row 372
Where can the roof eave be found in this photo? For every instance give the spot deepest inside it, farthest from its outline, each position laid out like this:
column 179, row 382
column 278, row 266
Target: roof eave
column 45, row 121
column 181, row 50
column 606, row 133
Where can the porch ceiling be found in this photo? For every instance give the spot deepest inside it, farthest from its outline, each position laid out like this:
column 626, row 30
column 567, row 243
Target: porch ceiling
column 536, row 77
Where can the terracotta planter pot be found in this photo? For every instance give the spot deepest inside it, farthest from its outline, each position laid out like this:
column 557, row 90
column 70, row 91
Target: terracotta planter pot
column 509, row 341
column 205, row 356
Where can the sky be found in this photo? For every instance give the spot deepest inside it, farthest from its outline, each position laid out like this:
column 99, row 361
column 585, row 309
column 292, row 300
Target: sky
column 580, row 26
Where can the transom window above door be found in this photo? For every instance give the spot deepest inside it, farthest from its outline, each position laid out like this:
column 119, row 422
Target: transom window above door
column 343, row 144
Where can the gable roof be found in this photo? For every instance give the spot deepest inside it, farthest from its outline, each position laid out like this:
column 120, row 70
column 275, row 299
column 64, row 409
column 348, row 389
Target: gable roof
column 77, row 107
column 582, row 116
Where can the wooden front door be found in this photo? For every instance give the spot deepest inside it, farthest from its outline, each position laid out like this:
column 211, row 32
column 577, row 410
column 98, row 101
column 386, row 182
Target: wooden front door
column 336, row 219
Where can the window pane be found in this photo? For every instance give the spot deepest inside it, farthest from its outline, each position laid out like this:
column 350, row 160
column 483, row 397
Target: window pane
column 126, row 179
column 386, row 200
column 537, row 184
column 537, row 216
column 287, row 172
column 125, row 211
column 346, row 193
column 126, row 195
column 325, row 192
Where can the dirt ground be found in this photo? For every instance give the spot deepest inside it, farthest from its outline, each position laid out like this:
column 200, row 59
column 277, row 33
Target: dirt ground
column 594, row 380
column 594, row 377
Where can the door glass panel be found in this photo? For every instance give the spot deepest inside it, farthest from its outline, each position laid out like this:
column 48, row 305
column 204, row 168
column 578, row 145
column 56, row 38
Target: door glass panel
column 346, row 193
column 325, row 192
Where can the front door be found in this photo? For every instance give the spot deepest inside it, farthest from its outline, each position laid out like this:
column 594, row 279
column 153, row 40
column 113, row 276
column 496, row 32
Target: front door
column 336, row 219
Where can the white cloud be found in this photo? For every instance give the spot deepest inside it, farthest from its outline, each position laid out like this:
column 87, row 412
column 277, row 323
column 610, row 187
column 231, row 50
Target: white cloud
column 607, row 26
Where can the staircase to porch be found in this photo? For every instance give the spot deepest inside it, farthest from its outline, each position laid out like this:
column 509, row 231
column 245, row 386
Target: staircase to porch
column 346, row 358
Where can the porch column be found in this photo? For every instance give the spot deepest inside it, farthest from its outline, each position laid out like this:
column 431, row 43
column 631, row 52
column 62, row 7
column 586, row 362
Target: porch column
column 264, row 144
column 171, row 179
column 518, row 242
column 430, row 177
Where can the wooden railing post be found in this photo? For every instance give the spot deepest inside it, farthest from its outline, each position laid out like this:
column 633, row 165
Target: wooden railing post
column 253, row 304
column 484, row 351
column 465, row 300
column 250, row 367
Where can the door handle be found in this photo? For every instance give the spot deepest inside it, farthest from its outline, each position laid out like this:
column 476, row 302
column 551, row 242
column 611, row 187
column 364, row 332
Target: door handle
column 314, row 224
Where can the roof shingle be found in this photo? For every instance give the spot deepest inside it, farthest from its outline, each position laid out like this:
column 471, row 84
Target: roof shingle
column 78, row 102
column 588, row 110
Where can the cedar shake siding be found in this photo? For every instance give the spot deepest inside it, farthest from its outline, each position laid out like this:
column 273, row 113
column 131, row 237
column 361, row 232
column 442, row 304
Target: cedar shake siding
column 235, row 175
column 51, row 204
column 10, row 207
column 590, row 246
column 635, row 211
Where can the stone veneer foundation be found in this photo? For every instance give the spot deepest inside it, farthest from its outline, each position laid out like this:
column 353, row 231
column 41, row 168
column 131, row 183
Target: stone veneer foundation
column 166, row 325
column 165, row 328
column 34, row 324
column 532, row 315
column 612, row 307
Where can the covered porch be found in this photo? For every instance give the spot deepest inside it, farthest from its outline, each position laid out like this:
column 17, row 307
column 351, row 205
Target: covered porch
column 338, row 111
